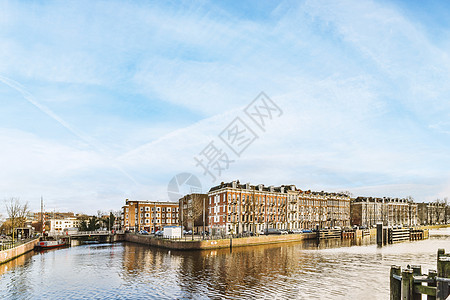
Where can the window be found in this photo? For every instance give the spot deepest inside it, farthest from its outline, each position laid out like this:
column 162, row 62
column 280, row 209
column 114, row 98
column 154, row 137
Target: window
column 153, row 209
column 142, row 209
column 168, row 209
column 158, row 209
column 147, row 215
column 147, row 208
column 163, row 215
column 163, row 209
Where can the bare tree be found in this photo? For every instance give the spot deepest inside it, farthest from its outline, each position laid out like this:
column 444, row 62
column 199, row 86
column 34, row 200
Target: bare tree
column 17, row 213
column 2, row 223
column 441, row 207
column 346, row 193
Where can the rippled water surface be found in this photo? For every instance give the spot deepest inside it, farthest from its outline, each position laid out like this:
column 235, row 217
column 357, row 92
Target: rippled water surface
column 329, row 270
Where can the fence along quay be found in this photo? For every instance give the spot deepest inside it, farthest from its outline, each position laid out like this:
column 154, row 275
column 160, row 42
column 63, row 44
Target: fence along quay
column 407, row 284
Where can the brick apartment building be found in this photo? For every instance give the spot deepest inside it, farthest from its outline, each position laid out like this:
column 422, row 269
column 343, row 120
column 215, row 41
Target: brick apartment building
column 149, row 215
column 368, row 211
column 238, row 208
column 433, row 213
column 323, row 209
column 194, row 212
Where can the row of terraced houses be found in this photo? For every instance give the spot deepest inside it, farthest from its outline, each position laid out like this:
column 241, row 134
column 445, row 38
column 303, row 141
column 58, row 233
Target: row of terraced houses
column 233, row 208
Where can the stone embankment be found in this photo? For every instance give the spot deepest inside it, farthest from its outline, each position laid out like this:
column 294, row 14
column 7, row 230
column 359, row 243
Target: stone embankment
column 7, row 255
column 216, row 243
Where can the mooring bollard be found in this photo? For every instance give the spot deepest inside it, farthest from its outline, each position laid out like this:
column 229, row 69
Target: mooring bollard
column 407, row 284
column 396, row 284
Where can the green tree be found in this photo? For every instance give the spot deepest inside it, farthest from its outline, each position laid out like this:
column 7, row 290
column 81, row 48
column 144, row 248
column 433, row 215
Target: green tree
column 83, row 225
column 110, row 220
column 93, row 223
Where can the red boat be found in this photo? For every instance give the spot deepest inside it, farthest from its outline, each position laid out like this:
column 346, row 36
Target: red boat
column 50, row 244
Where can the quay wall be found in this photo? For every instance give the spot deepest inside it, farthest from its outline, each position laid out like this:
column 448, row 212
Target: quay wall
column 7, row 255
column 434, row 226
column 216, row 244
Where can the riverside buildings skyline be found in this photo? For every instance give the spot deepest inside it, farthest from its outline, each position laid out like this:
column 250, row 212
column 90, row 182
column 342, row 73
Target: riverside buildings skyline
column 237, row 208
column 234, row 208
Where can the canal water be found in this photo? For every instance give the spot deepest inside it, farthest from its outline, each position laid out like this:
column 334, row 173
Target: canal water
column 328, row 270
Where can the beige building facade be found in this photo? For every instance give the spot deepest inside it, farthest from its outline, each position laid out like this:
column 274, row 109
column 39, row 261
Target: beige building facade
column 369, row 211
column 149, row 215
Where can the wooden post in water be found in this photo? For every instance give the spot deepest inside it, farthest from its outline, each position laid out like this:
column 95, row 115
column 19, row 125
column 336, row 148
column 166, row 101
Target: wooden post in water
column 407, row 284
column 443, row 271
column 431, row 275
column 395, row 284
column 417, row 271
column 380, row 234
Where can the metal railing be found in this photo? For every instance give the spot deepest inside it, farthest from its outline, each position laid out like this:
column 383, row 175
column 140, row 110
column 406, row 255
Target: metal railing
column 9, row 244
column 97, row 232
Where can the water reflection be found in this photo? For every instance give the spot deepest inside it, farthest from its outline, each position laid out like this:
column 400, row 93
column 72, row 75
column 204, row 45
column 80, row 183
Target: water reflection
column 332, row 269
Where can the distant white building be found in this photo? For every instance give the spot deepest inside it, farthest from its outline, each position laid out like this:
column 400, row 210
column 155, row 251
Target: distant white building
column 57, row 226
column 172, row 232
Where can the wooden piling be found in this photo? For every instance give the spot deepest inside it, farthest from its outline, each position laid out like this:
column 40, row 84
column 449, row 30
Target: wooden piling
column 432, row 275
column 443, row 271
column 417, row 271
column 380, row 234
column 396, row 285
column 407, row 284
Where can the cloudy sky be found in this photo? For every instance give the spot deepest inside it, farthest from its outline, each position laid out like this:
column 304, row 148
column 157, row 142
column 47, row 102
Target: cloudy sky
column 103, row 101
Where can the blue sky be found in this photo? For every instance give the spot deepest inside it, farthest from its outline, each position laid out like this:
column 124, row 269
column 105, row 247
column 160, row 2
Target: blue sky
column 108, row 100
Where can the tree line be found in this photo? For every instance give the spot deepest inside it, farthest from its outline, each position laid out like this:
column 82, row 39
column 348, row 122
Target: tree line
column 101, row 221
